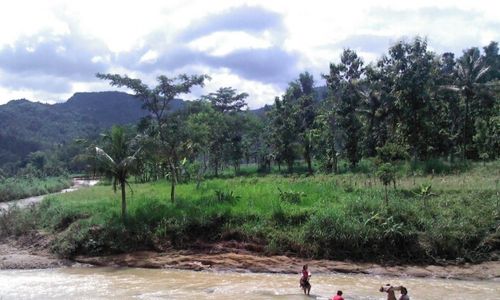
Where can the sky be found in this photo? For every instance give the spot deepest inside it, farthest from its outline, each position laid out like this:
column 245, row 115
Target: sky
column 51, row 49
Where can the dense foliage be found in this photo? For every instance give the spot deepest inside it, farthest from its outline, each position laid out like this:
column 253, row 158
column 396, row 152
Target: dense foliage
column 411, row 102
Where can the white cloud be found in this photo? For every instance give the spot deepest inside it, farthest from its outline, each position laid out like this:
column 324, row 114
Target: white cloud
column 223, row 43
column 309, row 34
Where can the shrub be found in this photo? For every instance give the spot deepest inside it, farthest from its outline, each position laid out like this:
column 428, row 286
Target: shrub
column 290, row 196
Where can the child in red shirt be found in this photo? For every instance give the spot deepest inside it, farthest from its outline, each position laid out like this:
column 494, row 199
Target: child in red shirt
column 338, row 296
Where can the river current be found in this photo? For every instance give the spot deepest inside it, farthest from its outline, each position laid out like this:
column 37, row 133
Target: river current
column 135, row 283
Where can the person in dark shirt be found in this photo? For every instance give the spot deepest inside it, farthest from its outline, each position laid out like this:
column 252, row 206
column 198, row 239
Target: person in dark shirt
column 404, row 294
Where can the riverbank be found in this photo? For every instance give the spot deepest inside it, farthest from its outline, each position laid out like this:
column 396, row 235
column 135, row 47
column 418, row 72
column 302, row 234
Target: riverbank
column 331, row 218
column 33, row 252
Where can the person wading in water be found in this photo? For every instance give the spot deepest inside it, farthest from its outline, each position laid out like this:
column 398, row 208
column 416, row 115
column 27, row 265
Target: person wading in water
column 304, row 280
column 389, row 289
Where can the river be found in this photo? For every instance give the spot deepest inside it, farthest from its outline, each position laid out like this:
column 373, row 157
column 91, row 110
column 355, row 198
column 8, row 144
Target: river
column 77, row 184
column 136, row 283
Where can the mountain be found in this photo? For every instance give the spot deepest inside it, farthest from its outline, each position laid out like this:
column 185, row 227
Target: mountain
column 27, row 126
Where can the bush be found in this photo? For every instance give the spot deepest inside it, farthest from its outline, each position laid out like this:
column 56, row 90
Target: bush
column 290, row 197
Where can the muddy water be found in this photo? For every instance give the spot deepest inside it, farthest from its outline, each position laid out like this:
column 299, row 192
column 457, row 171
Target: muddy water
column 132, row 283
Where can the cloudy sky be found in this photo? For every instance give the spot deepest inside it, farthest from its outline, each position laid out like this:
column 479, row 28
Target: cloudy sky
column 51, row 49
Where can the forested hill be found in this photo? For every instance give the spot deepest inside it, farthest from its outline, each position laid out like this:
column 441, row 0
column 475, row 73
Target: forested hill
column 27, row 126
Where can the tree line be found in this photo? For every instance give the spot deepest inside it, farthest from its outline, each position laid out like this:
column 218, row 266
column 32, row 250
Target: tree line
column 409, row 104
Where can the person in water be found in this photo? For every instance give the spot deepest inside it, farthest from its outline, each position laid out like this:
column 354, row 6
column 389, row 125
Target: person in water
column 338, row 296
column 304, row 280
column 404, row 294
column 390, row 290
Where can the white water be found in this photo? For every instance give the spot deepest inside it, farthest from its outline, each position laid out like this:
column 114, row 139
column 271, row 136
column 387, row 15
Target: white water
column 133, row 283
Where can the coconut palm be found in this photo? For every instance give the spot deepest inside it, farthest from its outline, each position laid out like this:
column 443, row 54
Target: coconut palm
column 469, row 72
column 118, row 163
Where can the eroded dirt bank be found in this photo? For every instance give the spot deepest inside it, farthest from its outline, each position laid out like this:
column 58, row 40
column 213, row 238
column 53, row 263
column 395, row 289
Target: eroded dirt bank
column 29, row 253
column 32, row 252
column 223, row 258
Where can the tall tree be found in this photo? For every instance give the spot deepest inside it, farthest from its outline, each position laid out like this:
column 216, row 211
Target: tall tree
column 226, row 143
column 412, row 67
column 325, row 133
column 306, row 114
column 284, row 130
column 226, row 99
column 469, row 73
column 156, row 100
column 344, row 83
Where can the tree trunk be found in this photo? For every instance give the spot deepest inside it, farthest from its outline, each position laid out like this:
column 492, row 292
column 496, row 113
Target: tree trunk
column 172, row 191
column 124, row 200
column 466, row 125
column 216, row 166
column 335, row 164
column 173, row 182
column 307, row 158
column 386, row 198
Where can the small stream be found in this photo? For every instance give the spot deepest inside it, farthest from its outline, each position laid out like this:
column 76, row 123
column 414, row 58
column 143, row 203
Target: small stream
column 77, row 184
column 134, row 283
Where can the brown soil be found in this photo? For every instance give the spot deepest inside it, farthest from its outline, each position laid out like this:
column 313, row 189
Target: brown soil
column 227, row 257
column 28, row 252
column 33, row 252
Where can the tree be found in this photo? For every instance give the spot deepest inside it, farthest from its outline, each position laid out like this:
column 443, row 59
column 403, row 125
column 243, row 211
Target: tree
column 225, row 99
column 386, row 174
column 325, row 133
column 377, row 110
column 227, row 142
column 284, row 130
column 412, row 68
column 344, row 83
column 306, row 114
column 469, row 72
column 118, row 161
column 156, row 100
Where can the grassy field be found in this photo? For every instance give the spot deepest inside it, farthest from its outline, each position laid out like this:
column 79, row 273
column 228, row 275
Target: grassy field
column 20, row 187
column 453, row 214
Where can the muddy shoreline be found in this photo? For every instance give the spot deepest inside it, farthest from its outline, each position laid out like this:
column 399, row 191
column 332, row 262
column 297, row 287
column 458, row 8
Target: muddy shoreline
column 34, row 253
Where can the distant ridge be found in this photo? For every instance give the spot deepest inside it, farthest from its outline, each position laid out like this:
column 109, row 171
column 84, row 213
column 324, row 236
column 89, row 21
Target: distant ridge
column 27, row 126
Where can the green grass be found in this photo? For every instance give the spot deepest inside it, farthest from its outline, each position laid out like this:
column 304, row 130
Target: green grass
column 324, row 216
column 19, row 187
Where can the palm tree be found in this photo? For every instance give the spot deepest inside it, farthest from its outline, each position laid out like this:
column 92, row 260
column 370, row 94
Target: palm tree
column 118, row 163
column 470, row 70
